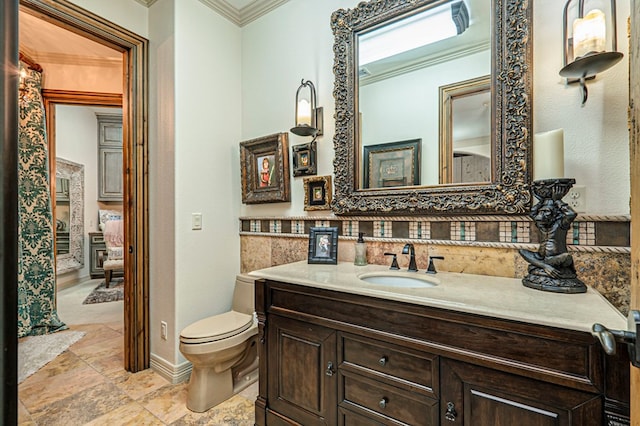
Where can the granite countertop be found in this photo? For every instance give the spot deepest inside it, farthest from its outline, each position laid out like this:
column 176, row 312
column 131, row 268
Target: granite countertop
column 498, row 297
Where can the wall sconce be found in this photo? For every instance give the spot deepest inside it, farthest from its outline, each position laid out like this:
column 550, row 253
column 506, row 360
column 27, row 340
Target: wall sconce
column 590, row 43
column 309, row 118
column 23, row 91
column 23, row 75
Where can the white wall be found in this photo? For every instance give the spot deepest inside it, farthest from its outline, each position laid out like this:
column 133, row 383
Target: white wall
column 208, row 87
column 77, row 141
column 596, row 139
column 128, row 14
column 196, row 131
column 295, row 41
column 162, row 262
column 278, row 50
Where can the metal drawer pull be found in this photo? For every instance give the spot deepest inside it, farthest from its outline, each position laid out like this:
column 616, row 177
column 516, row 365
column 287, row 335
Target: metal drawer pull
column 383, row 403
column 383, row 360
column 451, row 413
column 329, row 371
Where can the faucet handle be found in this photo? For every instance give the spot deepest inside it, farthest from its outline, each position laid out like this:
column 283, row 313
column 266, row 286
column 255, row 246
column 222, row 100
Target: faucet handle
column 394, row 261
column 431, row 269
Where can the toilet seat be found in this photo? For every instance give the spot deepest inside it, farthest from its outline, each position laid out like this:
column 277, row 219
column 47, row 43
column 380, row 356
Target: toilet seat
column 217, row 327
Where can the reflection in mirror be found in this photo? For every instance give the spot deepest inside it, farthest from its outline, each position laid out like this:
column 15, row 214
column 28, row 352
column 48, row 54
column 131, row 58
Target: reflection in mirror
column 63, row 215
column 402, row 65
column 465, row 131
column 395, row 98
column 69, row 216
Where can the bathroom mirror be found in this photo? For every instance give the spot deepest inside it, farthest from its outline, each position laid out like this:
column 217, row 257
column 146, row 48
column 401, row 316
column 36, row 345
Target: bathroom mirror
column 491, row 37
column 69, row 216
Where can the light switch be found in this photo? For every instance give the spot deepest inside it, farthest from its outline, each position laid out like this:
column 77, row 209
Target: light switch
column 196, row 221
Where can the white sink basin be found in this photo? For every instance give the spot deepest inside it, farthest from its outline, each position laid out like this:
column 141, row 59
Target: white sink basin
column 389, row 279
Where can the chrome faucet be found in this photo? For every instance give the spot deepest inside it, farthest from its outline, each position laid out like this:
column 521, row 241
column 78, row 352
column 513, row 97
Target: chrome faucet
column 410, row 250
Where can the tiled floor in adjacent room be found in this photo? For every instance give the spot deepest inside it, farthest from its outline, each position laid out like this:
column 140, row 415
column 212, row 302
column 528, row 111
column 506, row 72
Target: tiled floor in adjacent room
column 87, row 385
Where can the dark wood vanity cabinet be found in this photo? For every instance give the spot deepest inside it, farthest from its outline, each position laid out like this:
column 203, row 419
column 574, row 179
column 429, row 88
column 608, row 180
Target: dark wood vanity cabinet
column 302, row 358
column 332, row 358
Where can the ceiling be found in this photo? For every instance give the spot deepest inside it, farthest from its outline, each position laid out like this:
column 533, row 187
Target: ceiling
column 48, row 43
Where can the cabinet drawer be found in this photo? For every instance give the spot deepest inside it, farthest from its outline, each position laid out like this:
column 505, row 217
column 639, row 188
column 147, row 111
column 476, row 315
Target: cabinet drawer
column 350, row 418
column 97, row 238
column 389, row 402
column 394, row 362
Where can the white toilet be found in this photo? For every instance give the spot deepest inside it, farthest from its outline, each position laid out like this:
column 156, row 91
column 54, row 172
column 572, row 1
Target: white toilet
column 223, row 350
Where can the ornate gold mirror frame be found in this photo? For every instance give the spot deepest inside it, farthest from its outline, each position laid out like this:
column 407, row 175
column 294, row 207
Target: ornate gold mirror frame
column 508, row 193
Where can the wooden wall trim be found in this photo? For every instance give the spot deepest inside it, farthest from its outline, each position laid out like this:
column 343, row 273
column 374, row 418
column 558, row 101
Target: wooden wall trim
column 9, row 213
column 634, row 154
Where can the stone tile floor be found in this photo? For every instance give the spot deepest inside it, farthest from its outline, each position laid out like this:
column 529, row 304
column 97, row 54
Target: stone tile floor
column 87, row 385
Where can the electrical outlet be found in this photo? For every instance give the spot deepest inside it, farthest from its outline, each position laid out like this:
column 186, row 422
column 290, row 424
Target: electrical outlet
column 577, row 198
column 163, row 330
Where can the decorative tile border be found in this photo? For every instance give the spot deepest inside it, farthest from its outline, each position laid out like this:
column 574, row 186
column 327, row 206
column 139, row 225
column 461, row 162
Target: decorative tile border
column 515, row 232
column 588, row 233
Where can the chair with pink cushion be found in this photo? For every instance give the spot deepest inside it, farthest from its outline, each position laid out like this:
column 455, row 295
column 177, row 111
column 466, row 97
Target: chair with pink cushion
column 114, row 242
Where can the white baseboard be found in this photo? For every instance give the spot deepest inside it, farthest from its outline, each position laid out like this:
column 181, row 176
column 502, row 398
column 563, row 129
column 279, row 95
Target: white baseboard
column 173, row 373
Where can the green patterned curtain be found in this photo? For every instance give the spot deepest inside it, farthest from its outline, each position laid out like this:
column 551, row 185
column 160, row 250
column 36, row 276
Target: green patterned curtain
column 36, row 261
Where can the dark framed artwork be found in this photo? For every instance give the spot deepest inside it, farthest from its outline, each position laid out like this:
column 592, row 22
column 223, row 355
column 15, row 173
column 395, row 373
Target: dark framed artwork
column 392, row 164
column 264, row 164
column 304, row 159
column 317, row 193
column 323, row 245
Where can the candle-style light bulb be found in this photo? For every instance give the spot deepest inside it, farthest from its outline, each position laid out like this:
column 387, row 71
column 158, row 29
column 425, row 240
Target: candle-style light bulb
column 589, row 33
column 304, row 113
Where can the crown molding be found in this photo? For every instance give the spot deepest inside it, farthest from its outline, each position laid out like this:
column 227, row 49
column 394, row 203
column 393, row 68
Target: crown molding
column 245, row 15
column 240, row 17
column 146, row 2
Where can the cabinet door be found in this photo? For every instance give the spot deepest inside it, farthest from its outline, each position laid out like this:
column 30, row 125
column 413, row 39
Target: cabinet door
column 478, row 396
column 110, row 178
column 302, row 371
column 110, row 158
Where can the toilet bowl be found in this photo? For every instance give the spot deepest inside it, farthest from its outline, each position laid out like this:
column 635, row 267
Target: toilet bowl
column 223, row 350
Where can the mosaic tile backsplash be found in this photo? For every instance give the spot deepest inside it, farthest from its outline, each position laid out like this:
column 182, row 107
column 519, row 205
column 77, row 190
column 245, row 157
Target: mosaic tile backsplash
column 486, row 245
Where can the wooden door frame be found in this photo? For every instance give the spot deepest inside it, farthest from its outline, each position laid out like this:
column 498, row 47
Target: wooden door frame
column 634, row 154
column 135, row 51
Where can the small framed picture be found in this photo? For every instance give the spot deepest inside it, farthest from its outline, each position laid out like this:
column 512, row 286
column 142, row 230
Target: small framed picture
column 304, row 159
column 264, row 163
column 317, row 193
column 392, row 164
column 323, row 245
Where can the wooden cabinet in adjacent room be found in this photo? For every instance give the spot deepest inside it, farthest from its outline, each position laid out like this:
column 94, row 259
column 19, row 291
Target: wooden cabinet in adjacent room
column 110, row 176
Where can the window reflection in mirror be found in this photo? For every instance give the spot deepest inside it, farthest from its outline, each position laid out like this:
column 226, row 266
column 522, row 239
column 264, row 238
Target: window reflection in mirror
column 398, row 89
column 465, row 131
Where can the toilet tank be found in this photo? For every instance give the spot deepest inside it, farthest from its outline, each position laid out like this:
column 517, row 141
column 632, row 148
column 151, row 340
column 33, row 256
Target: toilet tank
column 243, row 295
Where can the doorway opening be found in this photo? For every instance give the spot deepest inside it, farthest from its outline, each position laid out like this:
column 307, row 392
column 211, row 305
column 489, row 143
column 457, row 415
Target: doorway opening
column 134, row 49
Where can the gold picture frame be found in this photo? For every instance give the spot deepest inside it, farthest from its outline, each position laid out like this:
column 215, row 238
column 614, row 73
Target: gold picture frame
column 317, row 193
column 264, row 164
